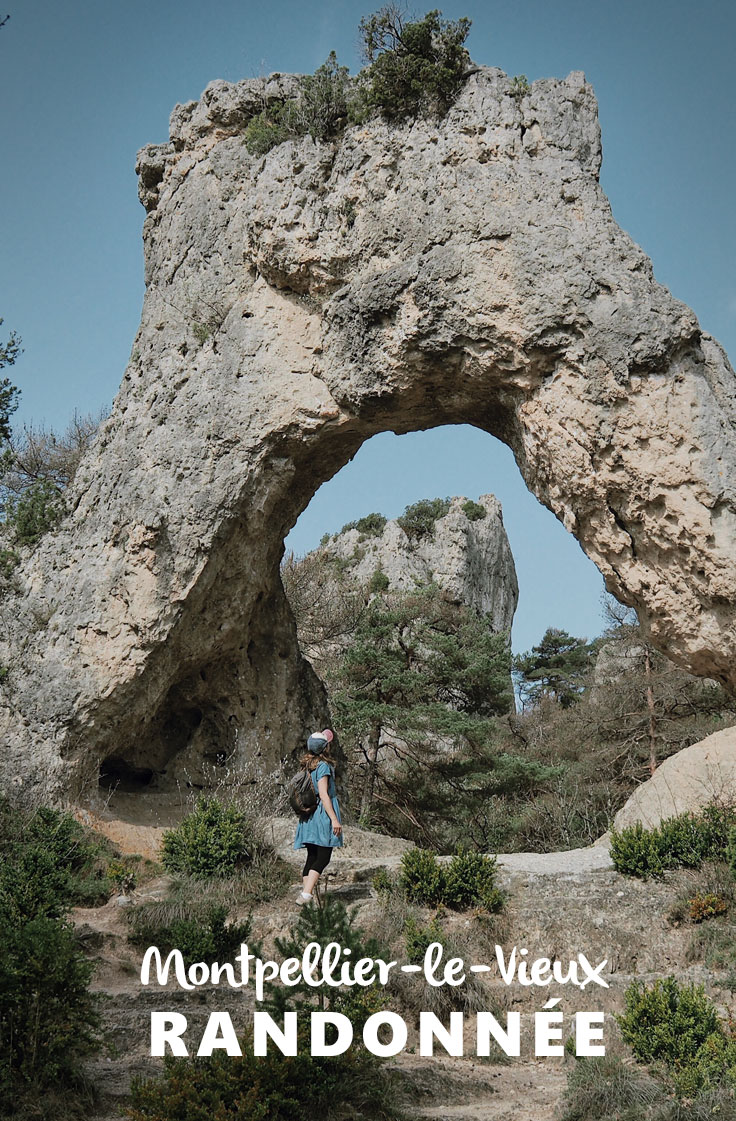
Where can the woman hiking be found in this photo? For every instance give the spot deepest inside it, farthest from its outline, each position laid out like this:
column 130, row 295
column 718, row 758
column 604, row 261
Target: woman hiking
column 321, row 832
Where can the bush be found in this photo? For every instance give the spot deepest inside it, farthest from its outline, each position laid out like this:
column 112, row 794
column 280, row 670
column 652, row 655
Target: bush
column 470, row 880
column 198, row 930
column 418, row 939
column 678, row 1026
column 48, row 1019
column 418, row 519
column 34, row 513
column 706, row 906
column 421, row 878
column 371, row 525
column 213, row 840
column 473, row 511
column 684, row 841
column 379, row 582
column 467, row 881
column 271, row 1088
column 52, row 863
column 415, row 67
column 272, row 126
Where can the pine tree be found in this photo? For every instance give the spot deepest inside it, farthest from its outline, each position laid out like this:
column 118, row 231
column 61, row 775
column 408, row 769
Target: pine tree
column 556, row 668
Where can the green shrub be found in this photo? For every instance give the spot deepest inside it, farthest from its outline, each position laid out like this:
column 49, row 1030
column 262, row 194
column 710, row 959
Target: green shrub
column 272, row 126
column 418, row 518
column 322, row 106
column 414, row 67
column 683, row 841
column 383, row 883
column 51, row 863
column 731, row 850
column 473, row 511
column 371, row 525
column 213, row 840
column 421, row 878
column 379, row 582
column 198, row 930
column 48, row 1019
column 9, row 560
column 519, row 87
column 678, row 1025
column 271, row 1088
column 34, row 513
column 418, row 939
column 469, row 880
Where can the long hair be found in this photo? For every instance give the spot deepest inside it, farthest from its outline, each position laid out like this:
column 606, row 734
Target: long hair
column 310, row 761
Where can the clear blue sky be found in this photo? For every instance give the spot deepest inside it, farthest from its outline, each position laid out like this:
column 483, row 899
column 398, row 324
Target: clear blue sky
column 85, row 83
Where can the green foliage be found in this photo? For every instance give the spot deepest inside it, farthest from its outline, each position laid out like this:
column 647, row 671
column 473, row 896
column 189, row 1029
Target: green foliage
column 414, row 67
column 9, row 560
column 555, row 668
column 322, row 106
column 421, row 878
column 200, row 930
column 213, row 840
column 379, row 582
column 731, row 850
column 418, row 518
column 34, row 512
column 331, row 922
column 418, row 939
column 371, row 525
column 9, row 393
column 269, row 128
column 320, row 109
column 684, row 841
column 270, row 1088
column 48, row 1019
column 519, row 87
column 468, row 880
column 122, row 876
column 473, row 511
column 678, row 1025
column 383, row 883
column 201, row 332
column 51, row 863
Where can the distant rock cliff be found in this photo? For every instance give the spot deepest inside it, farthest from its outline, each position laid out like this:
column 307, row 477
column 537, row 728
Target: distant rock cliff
column 468, row 557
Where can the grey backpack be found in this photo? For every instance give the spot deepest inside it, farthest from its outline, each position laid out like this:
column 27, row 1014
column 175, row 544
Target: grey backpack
column 303, row 797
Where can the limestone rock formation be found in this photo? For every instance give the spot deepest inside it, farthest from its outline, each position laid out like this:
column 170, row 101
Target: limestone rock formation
column 687, row 781
column 470, row 560
column 461, row 271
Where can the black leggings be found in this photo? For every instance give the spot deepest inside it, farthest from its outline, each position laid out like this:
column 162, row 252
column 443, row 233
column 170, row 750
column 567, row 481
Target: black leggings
column 318, row 857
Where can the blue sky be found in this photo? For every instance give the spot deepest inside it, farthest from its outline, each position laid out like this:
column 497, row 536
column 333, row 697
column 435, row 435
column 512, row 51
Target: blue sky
column 85, row 83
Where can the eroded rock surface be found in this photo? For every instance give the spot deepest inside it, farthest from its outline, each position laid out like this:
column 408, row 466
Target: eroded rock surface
column 466, row 271
column 469, row 558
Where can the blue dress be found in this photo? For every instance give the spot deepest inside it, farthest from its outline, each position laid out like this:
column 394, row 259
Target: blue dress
column 317, row 829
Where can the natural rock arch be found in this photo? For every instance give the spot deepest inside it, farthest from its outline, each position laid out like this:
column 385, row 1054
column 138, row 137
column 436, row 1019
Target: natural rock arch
column 466, row 271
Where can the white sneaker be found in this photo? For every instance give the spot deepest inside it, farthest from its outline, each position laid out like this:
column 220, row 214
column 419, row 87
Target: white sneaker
column 303, row 898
